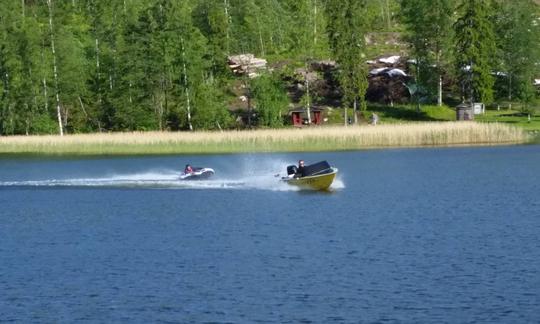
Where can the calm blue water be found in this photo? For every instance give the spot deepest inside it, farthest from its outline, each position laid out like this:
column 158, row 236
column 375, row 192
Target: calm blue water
column 406, row 236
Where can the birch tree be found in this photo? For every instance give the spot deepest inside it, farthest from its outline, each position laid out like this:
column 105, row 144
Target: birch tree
column 517, row 31
column 200, row 97
column 55, row 69
column 429, row 33
column 346, row 35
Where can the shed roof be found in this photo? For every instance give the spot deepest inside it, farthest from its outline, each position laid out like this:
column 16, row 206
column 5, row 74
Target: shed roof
column 303, row 110
column 464, row 105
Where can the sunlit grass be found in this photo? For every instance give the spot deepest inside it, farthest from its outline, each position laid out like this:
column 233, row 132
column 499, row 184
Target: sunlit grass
column 517, row 118
column 281, row 140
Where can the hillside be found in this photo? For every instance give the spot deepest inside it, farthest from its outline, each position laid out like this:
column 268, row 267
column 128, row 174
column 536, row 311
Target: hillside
column 139, row 65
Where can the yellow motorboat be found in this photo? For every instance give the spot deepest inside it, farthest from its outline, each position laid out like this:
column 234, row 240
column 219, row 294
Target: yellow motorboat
column 317, row 176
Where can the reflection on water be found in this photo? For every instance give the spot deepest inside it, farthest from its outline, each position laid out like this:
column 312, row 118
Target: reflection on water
column 424, row 235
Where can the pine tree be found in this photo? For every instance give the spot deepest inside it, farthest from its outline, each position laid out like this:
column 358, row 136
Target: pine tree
column 519, row 44
column 29, row 102
column 212, row 19
column 475, row 50
column 429, row 33
column 55, row 68
column 124, row 72
column 23, row 109
column 199, row 97
column 139, row 95
column 8, row 67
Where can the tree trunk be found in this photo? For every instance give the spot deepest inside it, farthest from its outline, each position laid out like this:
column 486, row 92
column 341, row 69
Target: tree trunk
column 226, row 6
column 55, row 69
column 98, row 73
column 439, row 87
column 160, row 115
column 6, row 105
column 509, row 87
column 308, row 101
column 439, row 93
column 130, row 96
column 260, row 37
column 82, row 108
column 315, row 22
column 45, row 94
column 26, row 123
column 355, row 111
column 388, row 18
column 44, row 81
column 186, row 86
column 471, row 89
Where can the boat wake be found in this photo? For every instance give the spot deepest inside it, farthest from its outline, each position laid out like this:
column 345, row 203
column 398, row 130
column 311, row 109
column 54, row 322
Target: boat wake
column 253, row 176
column 149, row 180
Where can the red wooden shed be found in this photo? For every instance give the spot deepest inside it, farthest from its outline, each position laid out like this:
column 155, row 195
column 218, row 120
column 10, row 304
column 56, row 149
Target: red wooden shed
column 299, row 116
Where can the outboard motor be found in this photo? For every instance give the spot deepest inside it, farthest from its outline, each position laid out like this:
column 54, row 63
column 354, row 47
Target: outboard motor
column 292, row 169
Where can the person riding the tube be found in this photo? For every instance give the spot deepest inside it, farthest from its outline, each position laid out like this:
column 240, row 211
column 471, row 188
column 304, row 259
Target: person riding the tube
column 300, row 170
column 188, row 169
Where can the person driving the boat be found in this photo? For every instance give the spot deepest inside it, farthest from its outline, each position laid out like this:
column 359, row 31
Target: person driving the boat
column 188, row 169
column 300, row 169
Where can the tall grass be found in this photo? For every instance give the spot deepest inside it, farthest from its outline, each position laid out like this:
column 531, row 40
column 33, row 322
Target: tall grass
column 281, row 140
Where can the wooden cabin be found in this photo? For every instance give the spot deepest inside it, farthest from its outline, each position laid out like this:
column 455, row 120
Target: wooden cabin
column 299, row 116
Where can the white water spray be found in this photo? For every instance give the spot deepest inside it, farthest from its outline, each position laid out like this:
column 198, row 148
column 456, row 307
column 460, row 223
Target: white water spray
column 251, row 173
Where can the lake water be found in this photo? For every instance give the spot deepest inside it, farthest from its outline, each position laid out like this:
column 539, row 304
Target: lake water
column 405, row 236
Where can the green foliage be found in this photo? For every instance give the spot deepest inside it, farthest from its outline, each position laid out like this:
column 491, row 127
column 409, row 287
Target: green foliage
column 44, row 124
column 429, row 32
column 334, row 116
column 146, row 64
column 475, row 49
column 212, row 19
column 210, row 112
column 382, row 15
column 513, row 117
column 271, row 100
column 346, row 35
column 398, row 114
column 517, row 29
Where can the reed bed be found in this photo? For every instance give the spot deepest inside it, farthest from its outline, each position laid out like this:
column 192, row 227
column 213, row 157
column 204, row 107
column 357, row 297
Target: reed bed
column 272, row 140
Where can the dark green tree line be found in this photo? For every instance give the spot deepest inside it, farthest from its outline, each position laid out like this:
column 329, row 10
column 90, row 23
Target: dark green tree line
column 94, row 65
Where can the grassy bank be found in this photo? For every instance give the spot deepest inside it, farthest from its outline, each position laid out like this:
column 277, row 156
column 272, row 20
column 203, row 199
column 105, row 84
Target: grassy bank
column 405, row 114
column 511, row 117
column 282, row 140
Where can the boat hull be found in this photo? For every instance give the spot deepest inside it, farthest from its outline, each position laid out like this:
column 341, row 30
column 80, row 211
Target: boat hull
column 198, row 174
column 314, row 182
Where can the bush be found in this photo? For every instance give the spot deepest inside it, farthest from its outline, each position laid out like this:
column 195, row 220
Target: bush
column 43, row 124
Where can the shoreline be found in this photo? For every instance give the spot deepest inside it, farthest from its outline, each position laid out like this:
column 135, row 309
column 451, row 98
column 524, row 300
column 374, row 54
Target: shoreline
column 314, row 139
column 137, row 152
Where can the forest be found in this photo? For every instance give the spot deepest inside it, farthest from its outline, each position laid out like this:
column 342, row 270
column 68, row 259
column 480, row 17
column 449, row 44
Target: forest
column 84, row 66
